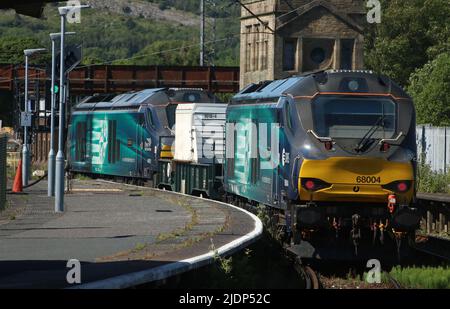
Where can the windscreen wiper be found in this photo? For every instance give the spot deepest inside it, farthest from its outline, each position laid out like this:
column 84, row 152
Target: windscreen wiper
column 369, row 134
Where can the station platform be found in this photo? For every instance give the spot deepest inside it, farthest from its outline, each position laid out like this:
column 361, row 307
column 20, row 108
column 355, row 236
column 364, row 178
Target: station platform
column 123, row 236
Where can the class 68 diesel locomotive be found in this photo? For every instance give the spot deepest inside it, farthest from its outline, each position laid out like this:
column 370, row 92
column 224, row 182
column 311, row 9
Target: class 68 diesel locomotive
column 123, row 136
column 331, row 156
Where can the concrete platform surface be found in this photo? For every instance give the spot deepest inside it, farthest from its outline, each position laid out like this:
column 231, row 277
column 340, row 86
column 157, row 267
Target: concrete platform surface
column 122, row 235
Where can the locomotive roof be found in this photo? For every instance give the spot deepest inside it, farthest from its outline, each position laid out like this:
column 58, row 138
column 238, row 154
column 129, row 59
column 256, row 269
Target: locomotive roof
column 155, row 97
column 267, row 89
column 317, row 82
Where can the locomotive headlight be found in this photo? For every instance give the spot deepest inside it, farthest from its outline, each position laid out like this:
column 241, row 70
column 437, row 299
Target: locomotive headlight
column 400, row 186
column 353, row 85
column 310, row 185
column 313, row 184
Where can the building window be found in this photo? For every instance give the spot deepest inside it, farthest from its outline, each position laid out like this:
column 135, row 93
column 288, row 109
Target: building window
column 318, row 55
column 257, row 45
column 248, row 57
column 289, row 54
column 254, row 61
column 248, row 49
column 265, row 54
column 257, row 48
column 347, row 54
column 265, row 47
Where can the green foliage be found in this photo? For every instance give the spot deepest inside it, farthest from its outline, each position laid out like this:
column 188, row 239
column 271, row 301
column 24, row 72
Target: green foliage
column 412, row 32
column 140, row 247
column 225, row 264
column 432, row 182
column 224, row 97
column 213, row 8
column 11, row 49
column 185, row 5
column 166, row 53
column 422, row 278
column 259, row 266
column 113, row 38
column 430, row 88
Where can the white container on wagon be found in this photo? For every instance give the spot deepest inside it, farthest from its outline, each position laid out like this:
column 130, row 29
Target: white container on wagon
column 200, row 133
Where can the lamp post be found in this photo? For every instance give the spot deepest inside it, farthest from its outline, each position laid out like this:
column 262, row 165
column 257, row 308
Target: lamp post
column 51, row 155
column 59, row 179
column 25, row 152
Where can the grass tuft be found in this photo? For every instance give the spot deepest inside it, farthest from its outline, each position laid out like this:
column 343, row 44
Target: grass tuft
column 422, row 277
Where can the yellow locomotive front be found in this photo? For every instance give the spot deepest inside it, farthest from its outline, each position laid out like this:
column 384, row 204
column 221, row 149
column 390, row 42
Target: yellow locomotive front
column 357, row 168
column 359, row 179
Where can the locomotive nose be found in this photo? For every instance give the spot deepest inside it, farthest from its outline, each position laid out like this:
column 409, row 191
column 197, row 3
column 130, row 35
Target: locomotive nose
column 355, row 180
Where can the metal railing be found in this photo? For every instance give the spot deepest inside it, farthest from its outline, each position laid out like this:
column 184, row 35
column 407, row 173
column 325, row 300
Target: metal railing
column 436, row 213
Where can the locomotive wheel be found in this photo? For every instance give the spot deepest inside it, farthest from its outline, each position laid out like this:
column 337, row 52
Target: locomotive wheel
column 315, row 284
column 301, row 271
column 312, row 281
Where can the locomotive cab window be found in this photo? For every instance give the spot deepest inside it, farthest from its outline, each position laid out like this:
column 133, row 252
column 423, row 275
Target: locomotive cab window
column 150, row 121
column 171, row 114
column 287, row 111
column 353, row 117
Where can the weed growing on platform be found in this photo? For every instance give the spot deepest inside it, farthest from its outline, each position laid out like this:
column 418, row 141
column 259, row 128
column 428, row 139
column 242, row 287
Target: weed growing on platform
column 260, row 266
column 225, row 264
column 81, row 177
column 139, row 247
column 180, row 232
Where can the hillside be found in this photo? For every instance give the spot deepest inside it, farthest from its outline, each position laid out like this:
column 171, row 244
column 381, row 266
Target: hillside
column 146, row 10
column 128, row 32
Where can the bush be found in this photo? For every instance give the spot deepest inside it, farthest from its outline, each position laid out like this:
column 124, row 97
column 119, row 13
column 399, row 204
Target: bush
column 430, row 181
column 396, row 50
column 430, row 89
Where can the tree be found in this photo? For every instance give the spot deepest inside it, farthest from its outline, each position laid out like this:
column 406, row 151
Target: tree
column 430, row 88
column 166, row 53
column 411, row 33
column 11, row 50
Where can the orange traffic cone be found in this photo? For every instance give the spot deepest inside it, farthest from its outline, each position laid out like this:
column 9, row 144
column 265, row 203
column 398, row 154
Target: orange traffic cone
column 17, row 187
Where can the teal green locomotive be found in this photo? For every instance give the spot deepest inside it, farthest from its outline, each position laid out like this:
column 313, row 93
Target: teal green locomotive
column 124, row 135
column 330, row 156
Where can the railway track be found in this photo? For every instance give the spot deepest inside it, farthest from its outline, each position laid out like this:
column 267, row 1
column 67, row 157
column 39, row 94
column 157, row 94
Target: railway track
column 434, row 246
column 393, row 281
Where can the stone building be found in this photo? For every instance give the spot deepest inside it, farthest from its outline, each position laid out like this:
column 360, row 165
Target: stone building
column 280, row 38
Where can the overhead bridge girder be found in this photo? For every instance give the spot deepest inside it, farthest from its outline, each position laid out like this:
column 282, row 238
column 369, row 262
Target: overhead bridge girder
column 123, row 78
